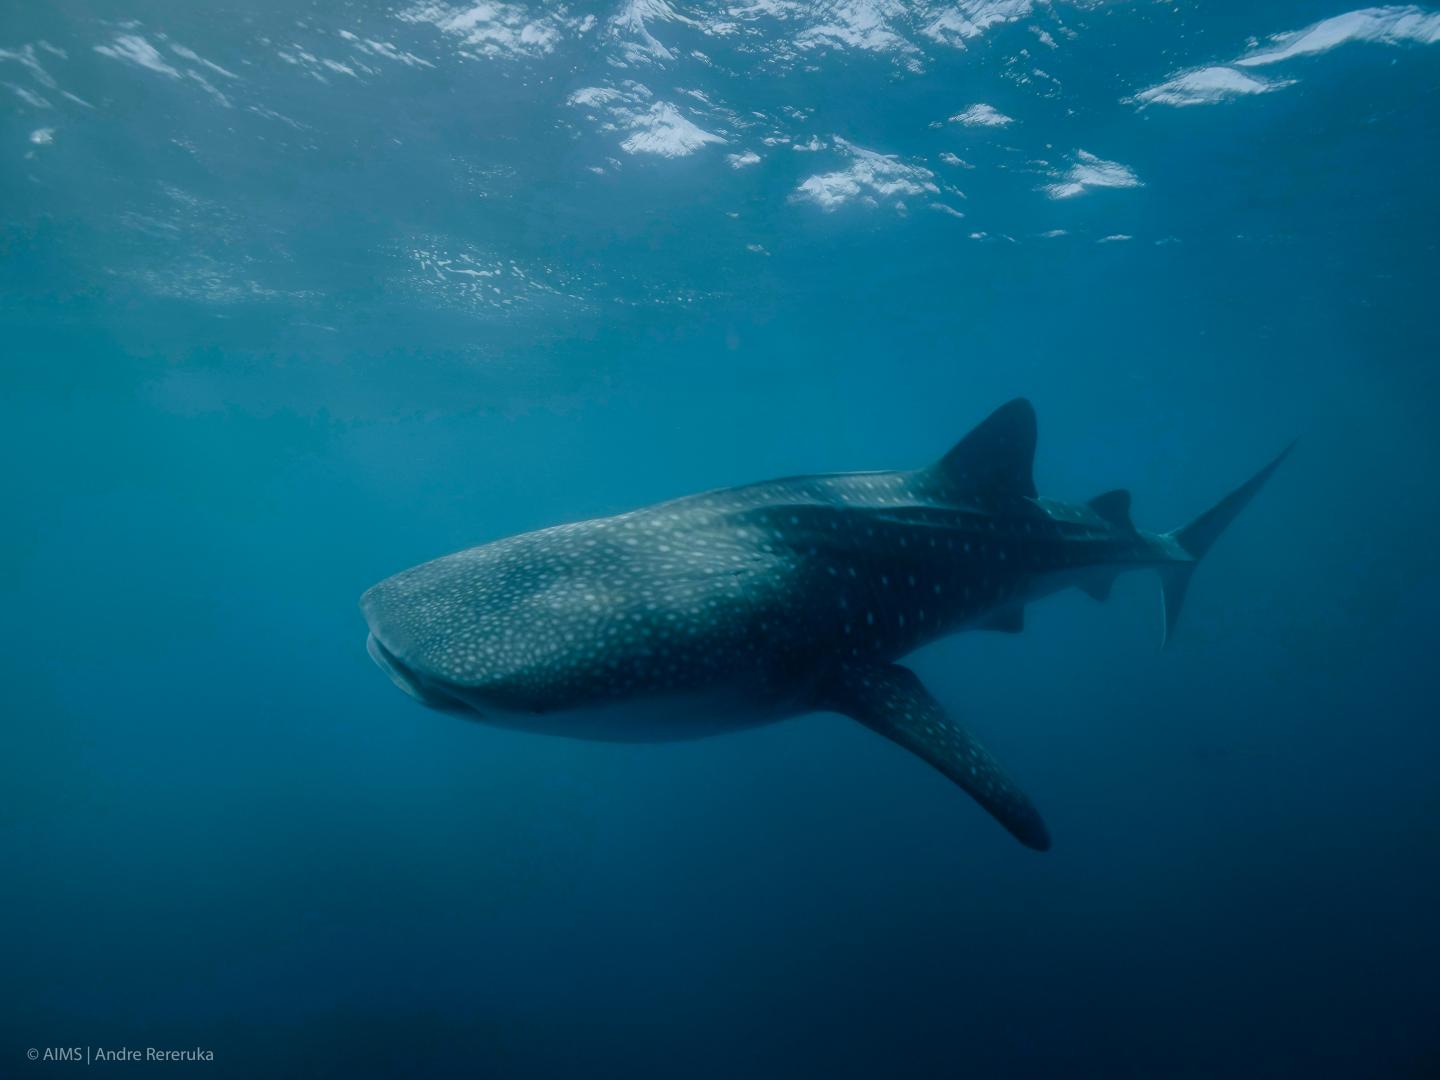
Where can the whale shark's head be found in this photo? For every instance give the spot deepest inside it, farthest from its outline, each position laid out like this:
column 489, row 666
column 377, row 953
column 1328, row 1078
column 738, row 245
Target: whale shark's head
column 576, row 618
column 463, row 632
column 410, row 622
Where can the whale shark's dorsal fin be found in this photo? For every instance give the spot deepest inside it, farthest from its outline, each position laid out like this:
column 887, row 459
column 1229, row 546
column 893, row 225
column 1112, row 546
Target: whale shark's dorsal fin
column 890, row 700
column 1114, row 507
column 997, row 458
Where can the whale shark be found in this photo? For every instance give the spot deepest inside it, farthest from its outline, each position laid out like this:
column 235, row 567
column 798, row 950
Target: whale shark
column 743, row 606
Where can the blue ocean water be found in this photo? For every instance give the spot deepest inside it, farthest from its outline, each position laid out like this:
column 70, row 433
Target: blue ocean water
column 293, row 296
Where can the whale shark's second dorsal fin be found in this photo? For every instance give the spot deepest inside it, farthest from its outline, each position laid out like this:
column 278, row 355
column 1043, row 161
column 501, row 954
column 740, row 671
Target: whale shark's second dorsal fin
column 1114, row 507
column 997, row 458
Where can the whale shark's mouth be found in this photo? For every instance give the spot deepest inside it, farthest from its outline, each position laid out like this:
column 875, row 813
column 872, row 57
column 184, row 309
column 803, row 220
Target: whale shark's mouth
column 406, row 679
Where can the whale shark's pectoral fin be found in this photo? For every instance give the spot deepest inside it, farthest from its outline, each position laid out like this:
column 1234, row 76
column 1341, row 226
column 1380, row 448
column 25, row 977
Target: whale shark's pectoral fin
column 891, row 700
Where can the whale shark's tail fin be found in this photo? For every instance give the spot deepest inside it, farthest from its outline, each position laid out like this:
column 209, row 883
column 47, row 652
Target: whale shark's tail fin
column 1196, row 539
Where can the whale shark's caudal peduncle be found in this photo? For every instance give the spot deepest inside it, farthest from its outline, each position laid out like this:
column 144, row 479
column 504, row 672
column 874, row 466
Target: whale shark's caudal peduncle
column 744, row 606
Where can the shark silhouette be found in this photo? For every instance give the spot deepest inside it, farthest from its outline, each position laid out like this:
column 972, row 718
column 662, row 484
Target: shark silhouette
column 747, row 605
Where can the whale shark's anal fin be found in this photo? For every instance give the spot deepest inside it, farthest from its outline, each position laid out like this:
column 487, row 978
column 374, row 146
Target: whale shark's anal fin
column 892, row 701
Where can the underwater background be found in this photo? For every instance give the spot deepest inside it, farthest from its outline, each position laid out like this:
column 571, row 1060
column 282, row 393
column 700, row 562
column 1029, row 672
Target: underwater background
column 295, row 295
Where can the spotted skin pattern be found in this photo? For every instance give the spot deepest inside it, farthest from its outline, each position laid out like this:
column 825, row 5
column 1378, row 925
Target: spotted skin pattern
column 891, row 700
column 743, row 606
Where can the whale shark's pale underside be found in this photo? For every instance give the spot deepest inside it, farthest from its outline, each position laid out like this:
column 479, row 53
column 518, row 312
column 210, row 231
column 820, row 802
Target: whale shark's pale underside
column 744, row 606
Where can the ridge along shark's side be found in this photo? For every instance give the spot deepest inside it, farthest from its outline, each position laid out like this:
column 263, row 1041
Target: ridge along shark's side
column 743, row 606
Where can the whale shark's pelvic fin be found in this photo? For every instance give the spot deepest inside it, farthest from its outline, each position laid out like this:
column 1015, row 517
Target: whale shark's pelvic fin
column 1195, row 540
column 891, row 700
column 997, row 458
column 1097, row 586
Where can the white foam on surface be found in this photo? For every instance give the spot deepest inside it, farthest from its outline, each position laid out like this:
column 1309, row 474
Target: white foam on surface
column 1394, row 25
column 1383, row 25
column 955, row 24
column 1089, row 172
column 982, row 115
column 492, row 30
column 871, row 179
column 630, row 29
column 1206, row 86
column 134, row 49
column 25, row 56
column 663, row 131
